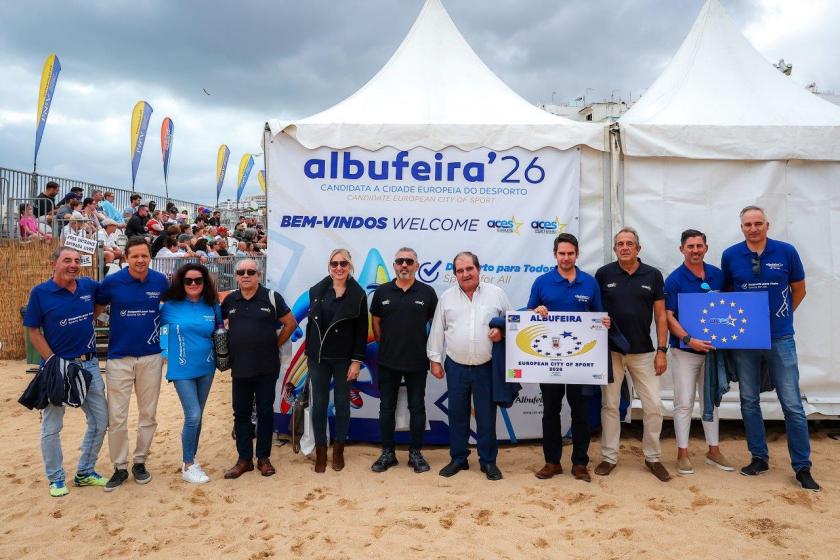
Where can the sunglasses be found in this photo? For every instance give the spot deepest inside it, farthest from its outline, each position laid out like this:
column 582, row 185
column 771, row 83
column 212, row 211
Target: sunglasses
column 756, row 266
column 197, row 281
column 403, row 261
column 244, row 271
column 339, row 264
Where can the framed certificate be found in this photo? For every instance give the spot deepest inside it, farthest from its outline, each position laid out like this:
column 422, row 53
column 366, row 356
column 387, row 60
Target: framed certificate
column 564, row 347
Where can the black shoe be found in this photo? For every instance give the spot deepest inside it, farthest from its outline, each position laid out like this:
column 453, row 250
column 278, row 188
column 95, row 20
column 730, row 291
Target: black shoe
column 756, row 467
column 119, row 476
column 453, row 468
column 806, row 481
column 140, row 474
column 417, row 462
column 492, row 471
column 386, row 460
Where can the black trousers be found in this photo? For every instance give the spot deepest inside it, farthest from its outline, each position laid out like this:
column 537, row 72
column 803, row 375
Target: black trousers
column 389, row 387
column 552, row 434
column 246, row 391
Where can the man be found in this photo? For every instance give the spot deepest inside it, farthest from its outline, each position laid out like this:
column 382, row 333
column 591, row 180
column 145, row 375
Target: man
column 63, row 307
column 136, row 226
column 109, row 237
column 460, row 329
column 401, row 312
column 134, row 359
column 105, row 204
column 44, row 207
column 74, row 194
column 134, row 202
column 762, row 264
column 633, row 294
column 688, row 364
column 259, row 323
column 566, row 288
column 216, row 220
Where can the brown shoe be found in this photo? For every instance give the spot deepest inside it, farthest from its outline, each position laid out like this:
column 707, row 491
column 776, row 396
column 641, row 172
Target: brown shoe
column 241, row 467
column 549, row 470
column 580, row 472
column 605, row 468
column 320, row 458
column 658, row 470
column 338, row 456
column 265, row 467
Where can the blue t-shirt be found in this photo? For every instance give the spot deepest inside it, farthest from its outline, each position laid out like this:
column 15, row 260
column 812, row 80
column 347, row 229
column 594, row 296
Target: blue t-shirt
column 683, row 281
column 66, row 318
column 557, row 294
column 135, row 312
column 779, row 265
column 189, row 342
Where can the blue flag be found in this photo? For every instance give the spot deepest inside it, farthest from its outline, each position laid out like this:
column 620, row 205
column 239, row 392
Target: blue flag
column 727, row 319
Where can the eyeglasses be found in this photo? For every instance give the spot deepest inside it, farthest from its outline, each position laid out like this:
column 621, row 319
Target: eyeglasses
column 244, row 271
column 705, row 287
column 756, row 266
column 197, row 281
column 404, row 261
column 339, row 264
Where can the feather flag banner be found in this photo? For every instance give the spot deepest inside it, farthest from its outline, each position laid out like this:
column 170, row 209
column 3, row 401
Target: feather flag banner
column 49, row 77
column 139, row 123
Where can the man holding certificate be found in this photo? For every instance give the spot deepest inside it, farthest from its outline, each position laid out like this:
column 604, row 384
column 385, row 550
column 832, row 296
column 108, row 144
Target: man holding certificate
column 762, row 264
column 566, row 288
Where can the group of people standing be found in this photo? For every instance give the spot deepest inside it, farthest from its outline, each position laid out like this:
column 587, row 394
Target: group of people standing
column 458, row 347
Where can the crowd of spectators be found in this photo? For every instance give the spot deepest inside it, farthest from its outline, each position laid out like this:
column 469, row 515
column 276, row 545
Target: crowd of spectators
column 170, row 231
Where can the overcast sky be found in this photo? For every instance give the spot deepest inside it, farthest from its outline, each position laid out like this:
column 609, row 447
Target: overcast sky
column 262, row 60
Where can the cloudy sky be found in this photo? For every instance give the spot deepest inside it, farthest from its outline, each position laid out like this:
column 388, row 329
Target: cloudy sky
column 263, row 59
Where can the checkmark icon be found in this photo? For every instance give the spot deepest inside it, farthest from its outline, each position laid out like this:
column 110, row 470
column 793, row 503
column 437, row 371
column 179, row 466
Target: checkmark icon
column 429, row 272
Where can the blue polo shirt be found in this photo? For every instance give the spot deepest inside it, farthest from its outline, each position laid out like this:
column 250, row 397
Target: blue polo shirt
column 66, row 318
column 779, row 265
column 558, row 294
column 683, row 281
column 135, row 313
column 190, row 343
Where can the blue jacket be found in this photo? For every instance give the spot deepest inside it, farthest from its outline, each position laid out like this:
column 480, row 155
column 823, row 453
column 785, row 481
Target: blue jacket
column 48, row 385
column 720, row 371
column 504, row 393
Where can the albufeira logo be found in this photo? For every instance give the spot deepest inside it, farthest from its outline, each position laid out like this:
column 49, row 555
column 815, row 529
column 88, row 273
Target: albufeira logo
column 540, row 341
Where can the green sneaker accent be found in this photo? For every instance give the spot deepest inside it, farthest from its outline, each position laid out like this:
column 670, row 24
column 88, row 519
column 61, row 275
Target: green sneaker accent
column 90, row 479
column 58, row 489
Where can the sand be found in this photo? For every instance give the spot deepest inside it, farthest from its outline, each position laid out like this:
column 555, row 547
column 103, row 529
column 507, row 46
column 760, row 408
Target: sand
column 399, row 514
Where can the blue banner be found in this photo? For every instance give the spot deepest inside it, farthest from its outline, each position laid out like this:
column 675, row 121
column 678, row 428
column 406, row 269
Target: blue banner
column 245, row 166
column 727, row 319
column 49, row 77
column 139, row 123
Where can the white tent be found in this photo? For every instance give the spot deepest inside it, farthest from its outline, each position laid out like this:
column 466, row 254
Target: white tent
column 721, row 129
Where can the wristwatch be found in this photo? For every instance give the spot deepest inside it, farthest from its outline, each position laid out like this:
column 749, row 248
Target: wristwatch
column 686, row 339
column 663, row 349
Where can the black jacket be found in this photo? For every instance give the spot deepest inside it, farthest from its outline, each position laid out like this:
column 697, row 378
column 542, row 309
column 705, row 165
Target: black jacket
column 58, row 382
column 135, row 226
column 346, row 338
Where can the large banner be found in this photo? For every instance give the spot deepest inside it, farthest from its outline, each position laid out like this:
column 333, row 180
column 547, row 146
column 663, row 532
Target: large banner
column 506, row 207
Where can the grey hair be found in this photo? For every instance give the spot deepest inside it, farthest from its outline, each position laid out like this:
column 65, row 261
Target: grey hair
column 406, row 250
column 60, row 249
column 244, row 261
column 627, row 229
column 751, row 208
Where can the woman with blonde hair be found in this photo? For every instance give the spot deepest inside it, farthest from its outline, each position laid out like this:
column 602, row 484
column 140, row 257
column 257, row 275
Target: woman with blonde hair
column 336, row 338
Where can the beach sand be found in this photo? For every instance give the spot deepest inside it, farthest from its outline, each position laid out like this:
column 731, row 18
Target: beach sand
column 399, row 514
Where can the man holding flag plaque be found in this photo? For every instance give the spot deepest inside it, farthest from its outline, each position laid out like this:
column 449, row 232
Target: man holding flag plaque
column 563, row 351
column 773, row 268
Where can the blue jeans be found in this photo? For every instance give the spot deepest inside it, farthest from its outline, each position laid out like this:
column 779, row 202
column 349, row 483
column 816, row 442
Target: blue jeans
column 784, row 372
column 193, row 394
column 461, row 381
column 96, row 411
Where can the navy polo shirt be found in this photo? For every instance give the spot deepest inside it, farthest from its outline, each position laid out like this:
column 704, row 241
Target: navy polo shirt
column 135, row 312
column 779, row 265
column 66, row 318
column 683, row 281
column 558, row 294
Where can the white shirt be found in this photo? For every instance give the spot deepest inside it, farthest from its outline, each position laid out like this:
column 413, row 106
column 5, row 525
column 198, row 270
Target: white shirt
column 166, row 253
column 461, row 325
column 109, row 241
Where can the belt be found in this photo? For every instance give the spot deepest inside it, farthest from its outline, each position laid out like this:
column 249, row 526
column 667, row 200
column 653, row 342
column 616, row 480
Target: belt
column 83, row 358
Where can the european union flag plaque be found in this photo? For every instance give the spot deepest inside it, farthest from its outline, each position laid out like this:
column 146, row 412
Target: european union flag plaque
column 727, row 319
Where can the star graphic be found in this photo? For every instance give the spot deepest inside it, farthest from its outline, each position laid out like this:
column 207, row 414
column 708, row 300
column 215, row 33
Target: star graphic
column 705, row 330
column 566, row 334
column 744, row 320
column 560, row 227
column 741, row 330
column 730, row 320
column 740, row 311
column 731, row 304
column 713, row 337
column 516, row 225
column 723, row 339
column 705, row 312
column 702, row 320
column 711, row 304
column 722, row 301
column 734, row 337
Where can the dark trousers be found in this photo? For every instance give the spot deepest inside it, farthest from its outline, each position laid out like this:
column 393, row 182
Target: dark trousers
column 320, row 375
column 247, row 390
column 461, row 382
column 552, row 395
column 389, row 388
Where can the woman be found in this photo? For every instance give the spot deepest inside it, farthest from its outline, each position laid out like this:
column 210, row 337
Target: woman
column 170, row 249
column 189, row 314
column 336, row 338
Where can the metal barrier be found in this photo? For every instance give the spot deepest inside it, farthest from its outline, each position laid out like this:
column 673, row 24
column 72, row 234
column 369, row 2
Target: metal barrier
column 222, row 269
column 20, row 185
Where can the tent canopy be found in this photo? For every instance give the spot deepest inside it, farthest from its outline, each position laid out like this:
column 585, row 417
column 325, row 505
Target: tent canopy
column 436, row 92
column 720, row 99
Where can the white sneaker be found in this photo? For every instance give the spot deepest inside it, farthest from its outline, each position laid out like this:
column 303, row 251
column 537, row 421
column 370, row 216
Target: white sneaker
column 194, row 474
